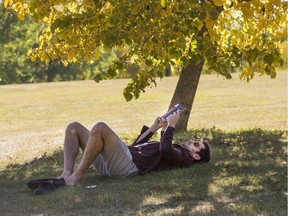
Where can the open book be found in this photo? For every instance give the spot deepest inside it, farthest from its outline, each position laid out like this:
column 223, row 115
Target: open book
column 176, row 108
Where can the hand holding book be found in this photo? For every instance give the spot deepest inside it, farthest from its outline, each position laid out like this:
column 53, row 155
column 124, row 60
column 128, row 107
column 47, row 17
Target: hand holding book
column 176, row 108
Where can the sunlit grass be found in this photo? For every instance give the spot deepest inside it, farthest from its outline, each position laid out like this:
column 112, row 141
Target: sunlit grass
column 245, row 124
column 35, row 115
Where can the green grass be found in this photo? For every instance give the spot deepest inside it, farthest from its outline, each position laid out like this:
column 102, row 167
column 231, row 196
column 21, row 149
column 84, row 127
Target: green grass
column 246, row 125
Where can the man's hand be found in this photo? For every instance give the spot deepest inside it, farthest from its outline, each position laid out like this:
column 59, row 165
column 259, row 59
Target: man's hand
column 173, row 119
column 158, row 123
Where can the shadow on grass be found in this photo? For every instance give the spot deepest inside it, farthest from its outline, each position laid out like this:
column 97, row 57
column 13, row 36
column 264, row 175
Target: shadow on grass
column 247, row 175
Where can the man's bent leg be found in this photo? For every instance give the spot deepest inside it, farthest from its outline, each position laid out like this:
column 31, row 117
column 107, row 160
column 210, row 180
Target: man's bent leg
column 76, row 137
column 101, row 138
column 118, row 161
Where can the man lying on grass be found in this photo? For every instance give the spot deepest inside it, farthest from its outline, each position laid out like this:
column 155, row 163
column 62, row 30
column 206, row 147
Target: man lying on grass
column 103, row 149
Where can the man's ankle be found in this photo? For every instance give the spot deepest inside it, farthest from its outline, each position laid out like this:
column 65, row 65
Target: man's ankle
column 79, row 174
column 65, row 175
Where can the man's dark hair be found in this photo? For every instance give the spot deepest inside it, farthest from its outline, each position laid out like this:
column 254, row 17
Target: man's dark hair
column 204, row 153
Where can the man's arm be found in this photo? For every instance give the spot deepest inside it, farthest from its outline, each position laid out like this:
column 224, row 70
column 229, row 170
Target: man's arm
column 173, row 154
column 171, row 122
column 158, row 123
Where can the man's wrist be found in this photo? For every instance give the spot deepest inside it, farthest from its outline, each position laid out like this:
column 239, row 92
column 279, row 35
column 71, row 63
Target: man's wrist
column 171, row 125
column 153, row 128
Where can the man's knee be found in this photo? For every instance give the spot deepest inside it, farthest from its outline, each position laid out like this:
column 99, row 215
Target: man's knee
column 72, row 127
column 100, row 127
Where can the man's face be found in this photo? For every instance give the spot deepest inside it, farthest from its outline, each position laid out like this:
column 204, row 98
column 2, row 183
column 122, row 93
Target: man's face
column 193, row 145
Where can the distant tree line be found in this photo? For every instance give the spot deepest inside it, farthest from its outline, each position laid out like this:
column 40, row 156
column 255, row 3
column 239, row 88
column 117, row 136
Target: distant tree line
column 17, row 37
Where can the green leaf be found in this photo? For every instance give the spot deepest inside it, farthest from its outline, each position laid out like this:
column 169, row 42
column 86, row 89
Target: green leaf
column 127, row 94
column 112, row 38
column 196, row 59
column 273, row 74
column 98, row 77
column 154, row 40
column 252, row 54
column 172, row 62
column 148, row 62
column 182, row 6
column 112, row 72
column 54, row 25
column 172, row 50
column 202, row 15
column 184, row 61
column 119, row 65
column 188, row 22
column 269, row 59
column 160, row 73
column 176, row 28
column 214, row 14
column 128, row 41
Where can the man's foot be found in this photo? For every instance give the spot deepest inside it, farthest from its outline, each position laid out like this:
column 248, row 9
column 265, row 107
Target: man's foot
column 65, row 175
column 73, row 180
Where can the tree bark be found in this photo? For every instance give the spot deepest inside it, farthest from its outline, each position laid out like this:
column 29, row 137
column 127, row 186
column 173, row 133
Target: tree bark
column 51, row 72
column 185, row 91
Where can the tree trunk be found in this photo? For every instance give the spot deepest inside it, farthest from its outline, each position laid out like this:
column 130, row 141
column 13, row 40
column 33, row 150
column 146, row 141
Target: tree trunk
column 185, row 91
column 51, row 71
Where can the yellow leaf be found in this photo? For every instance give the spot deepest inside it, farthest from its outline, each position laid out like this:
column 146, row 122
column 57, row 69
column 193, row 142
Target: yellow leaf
column 29, row 52
column 47, row 60
column 64, row 62
column 209, row 25
column 33, row 58
column 283, row 17
column 21, row 16
column 234, row 40
column 256, row 3
column 42, row 56
column 276, row 2
column 54, row 39
column 163, row 3
column 261, row 24
column 199, row 25
column 74, row 59
column 247, row 11
column 6, row 3
column 96, row 55
column 25, row 6
column 219, row 2
column 246, row 72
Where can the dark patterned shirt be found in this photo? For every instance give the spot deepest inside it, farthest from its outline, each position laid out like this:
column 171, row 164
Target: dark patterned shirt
column 155, row 155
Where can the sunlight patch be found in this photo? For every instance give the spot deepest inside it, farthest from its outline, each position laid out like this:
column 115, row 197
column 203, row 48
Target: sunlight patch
column 154, row 201
column 234, row 208
column 203, row 207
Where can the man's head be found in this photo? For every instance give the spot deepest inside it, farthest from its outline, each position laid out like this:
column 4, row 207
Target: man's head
column 200, row 150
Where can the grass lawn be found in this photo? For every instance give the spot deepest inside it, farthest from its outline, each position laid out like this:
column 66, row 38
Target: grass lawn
column 245, row 123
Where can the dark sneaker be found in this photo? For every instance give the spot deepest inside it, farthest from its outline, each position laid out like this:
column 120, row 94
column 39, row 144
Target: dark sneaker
column 41, row 186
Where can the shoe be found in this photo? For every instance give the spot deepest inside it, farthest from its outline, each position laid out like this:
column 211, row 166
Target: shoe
column 41, row 186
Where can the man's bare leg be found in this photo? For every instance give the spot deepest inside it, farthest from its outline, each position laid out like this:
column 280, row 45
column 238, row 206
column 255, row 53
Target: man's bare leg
column 76, row 138
column 101, row 138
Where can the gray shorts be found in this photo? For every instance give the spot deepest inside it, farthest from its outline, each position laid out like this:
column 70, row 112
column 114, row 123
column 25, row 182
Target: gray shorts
column 116, row 162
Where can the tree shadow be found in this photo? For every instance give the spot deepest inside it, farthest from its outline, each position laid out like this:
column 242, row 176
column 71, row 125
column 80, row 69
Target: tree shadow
column 247, row 175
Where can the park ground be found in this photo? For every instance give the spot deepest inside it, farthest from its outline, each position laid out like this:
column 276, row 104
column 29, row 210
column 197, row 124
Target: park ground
column 245, row 123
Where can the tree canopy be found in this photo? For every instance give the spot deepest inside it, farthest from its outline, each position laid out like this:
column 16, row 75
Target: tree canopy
column 223, row 33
